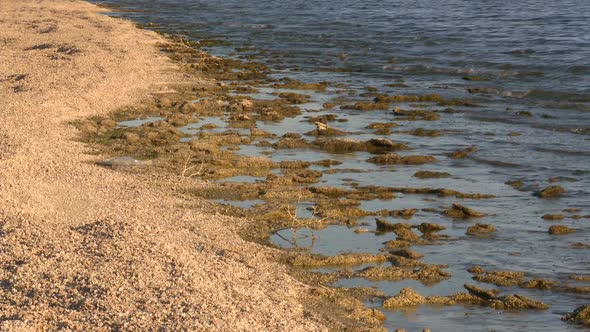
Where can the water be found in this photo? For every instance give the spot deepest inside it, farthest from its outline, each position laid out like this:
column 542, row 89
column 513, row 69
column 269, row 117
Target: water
column 508, row 57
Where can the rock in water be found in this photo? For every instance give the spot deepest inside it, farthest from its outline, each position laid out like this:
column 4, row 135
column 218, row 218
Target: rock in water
column 551, row 192
column 459, row 211
column 480, row 229
column 580, row 315
column 560, row 229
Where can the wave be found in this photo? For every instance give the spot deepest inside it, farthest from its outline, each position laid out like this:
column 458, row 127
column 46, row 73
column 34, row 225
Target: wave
column 522, row 52
column 555, row 95
column 256, row 26
column 496, row 163
column 562, row 151
column 579, row 70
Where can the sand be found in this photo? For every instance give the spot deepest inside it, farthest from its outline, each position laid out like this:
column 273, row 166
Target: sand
column 88, row 248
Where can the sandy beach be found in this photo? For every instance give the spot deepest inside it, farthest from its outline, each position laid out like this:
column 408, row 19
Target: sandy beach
column 85, row 248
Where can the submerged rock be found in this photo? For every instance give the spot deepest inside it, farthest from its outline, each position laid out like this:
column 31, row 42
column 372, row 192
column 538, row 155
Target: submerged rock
column 516, row 301
column 427, row 227
column 382, row 125
column 408, row 297
column 580, row 245
column 414, row 115
column 293, row 98
column 463, row 153
column 425, row 273
column 407, row 253
column 553, row 217
column 476, row 270
column 458, row 211
column 395, row 159
column 577, row 289
column 578, row 277
column 384, row 132
column 560, row 230
column 385, row 226
column 581, row 315
column 385, row 143
column 343, row 145
column 367, row 106
column 480, row 229
column 329, row 191
column 323, row 129
column 180, row 119
column 397, row 244
column 515, row 183
column 431, row 175
column 551, row 192
column 323, row 118
column 485, row 294
column 405, row 213
column 254, row 132
column 538, row 284
column 391, row 273
column 405, row 234
column 421, row 132
column 290, row 143
column 303, row 260
column 500, row 278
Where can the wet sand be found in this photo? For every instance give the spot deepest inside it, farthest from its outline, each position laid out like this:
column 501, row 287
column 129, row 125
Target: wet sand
column 83, row 247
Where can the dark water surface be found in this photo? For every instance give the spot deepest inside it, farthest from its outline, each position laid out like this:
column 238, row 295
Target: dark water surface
column 529, row 56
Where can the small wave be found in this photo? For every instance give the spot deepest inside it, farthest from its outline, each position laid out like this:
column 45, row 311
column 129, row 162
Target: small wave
column 579, row 70
column 527, row 51
column 511, row 73
column 428, row 70
column 571, row 97
column 562, row 151
column 503, row 93
column 497, row 163
column 580, row 131
column 468, row 73
column 258, row 26
column 584, row 107
column 576, row 130
column 406, row 59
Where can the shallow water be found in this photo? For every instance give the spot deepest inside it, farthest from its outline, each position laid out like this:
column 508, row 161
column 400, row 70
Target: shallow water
column 528, row 55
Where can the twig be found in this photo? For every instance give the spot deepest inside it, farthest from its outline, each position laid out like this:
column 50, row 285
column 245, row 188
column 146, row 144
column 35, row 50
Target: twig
column 186, row 168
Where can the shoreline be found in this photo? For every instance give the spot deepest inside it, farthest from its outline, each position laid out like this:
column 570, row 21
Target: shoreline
column 84, row 247
column 206, row 233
